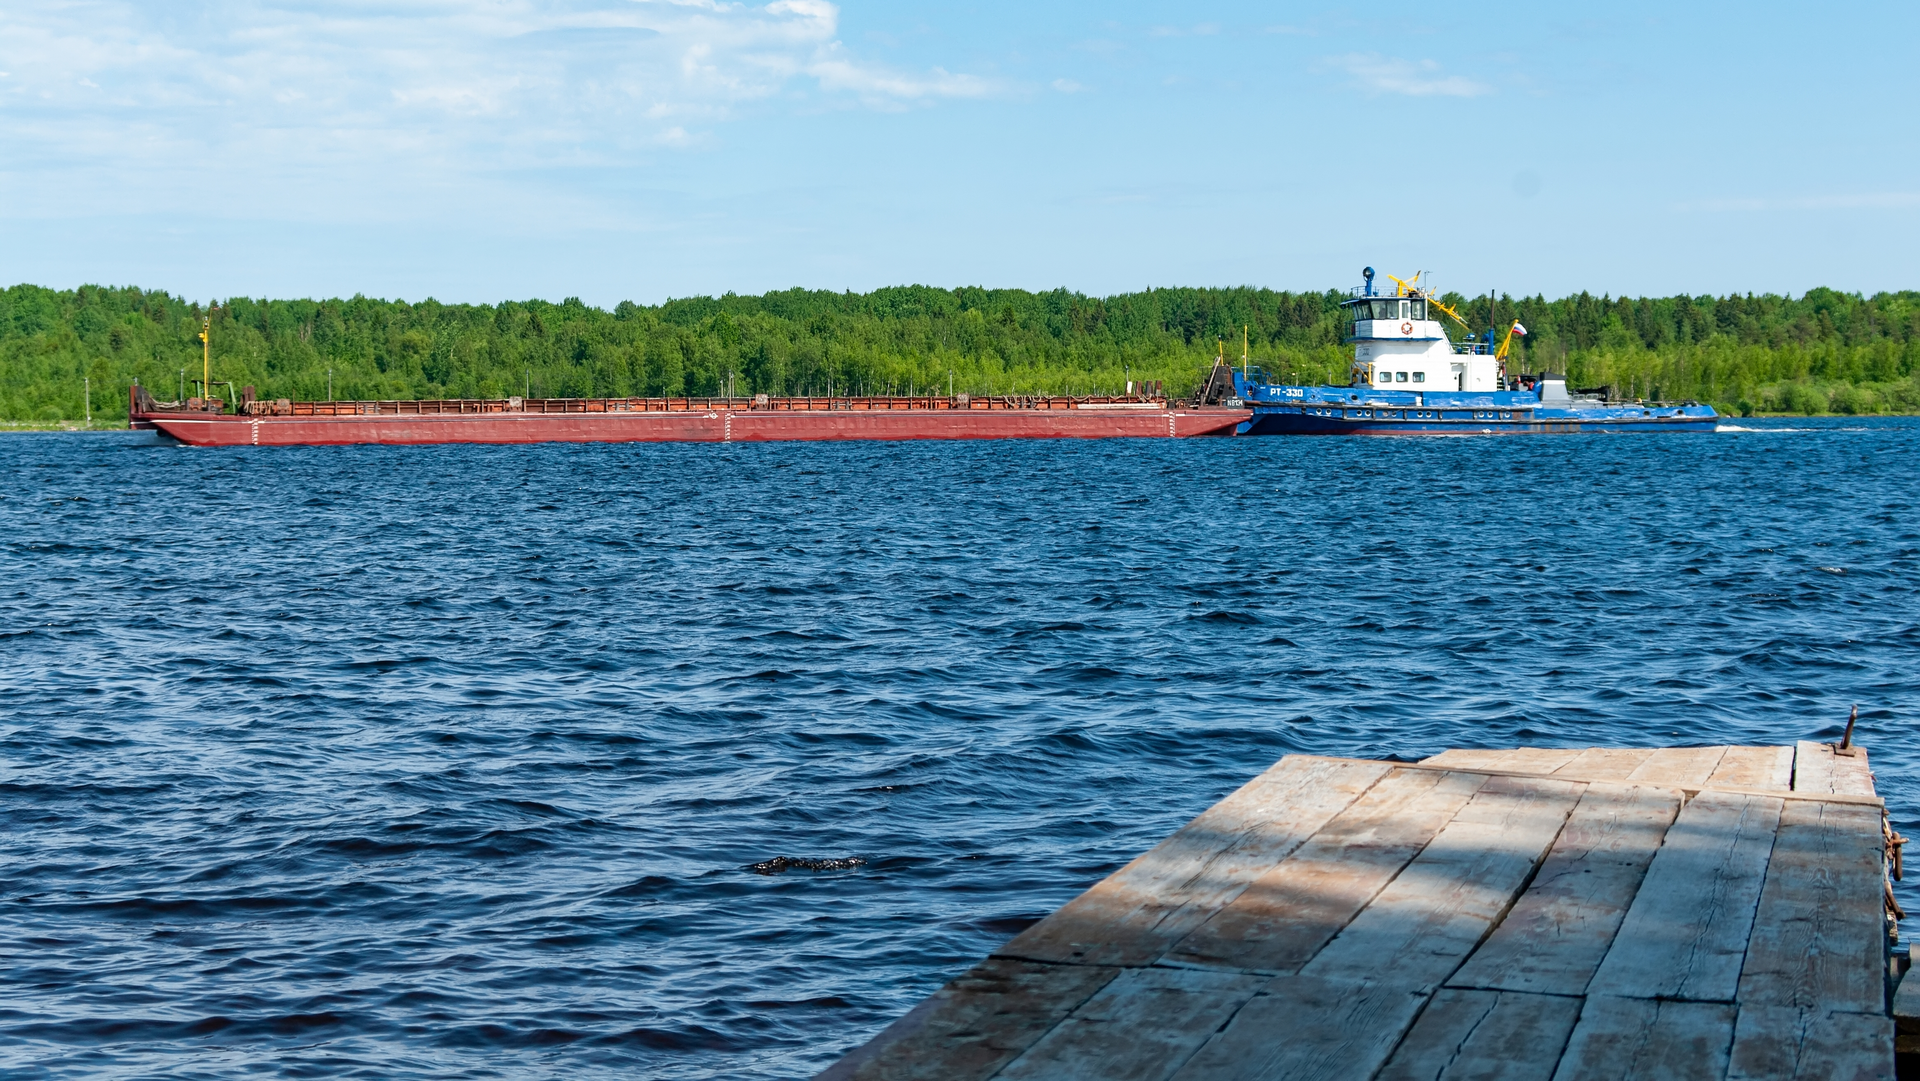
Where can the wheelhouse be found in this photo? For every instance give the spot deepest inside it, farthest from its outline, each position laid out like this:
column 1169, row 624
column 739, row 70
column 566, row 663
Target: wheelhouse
column 1400, row 343
column 1385, row 309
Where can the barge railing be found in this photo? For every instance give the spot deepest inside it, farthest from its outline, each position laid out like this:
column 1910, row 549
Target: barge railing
column 760, row 402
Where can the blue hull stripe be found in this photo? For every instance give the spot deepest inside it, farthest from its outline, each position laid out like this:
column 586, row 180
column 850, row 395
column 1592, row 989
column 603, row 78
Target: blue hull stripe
column 1288, row 422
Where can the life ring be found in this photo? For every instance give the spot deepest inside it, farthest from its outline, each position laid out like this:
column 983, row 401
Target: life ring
column 1406, row 328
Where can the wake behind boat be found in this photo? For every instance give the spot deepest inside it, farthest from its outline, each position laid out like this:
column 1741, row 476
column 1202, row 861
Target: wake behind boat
column 1409, row 378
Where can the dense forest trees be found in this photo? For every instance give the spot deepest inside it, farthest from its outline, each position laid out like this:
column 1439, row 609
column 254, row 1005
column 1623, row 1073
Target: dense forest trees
column 1822, row 352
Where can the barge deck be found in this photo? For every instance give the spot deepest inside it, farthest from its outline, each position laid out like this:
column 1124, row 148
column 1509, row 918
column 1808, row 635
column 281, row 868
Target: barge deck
column 716, row 420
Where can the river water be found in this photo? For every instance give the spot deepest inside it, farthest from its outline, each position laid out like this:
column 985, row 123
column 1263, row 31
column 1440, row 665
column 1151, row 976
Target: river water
column 454, row 761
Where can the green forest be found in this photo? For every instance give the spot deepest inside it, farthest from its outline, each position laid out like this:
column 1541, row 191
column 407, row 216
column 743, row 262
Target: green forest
column 1824, row 352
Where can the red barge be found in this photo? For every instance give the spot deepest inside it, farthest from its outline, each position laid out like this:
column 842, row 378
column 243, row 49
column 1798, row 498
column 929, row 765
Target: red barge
column 761, row 418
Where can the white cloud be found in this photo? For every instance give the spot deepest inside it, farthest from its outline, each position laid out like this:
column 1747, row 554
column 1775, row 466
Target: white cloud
column 251, row 90
column 1413, row 78
column 879, row 86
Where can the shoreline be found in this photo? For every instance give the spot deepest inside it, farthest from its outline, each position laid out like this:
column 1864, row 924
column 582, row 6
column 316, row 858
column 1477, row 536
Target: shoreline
column 58, row 426
column 25, row 427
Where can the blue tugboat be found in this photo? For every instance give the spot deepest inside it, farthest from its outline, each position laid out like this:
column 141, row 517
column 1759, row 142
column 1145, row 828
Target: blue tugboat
column 1409, row 378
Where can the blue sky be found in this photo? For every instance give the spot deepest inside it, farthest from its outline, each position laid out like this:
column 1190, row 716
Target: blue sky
column 641, row 149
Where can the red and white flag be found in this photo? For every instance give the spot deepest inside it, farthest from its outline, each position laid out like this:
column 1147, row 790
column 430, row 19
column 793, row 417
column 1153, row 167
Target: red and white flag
column 1518, row 329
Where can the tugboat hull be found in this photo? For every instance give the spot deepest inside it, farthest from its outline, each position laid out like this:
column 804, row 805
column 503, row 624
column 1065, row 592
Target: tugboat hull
column 1373, row 420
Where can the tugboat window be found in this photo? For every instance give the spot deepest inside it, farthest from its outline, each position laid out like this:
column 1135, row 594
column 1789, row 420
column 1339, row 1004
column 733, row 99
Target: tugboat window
column 1400, row 377
column 1419, row 377
column 1386, row 377
column 1419, row 309
column 1384, row 309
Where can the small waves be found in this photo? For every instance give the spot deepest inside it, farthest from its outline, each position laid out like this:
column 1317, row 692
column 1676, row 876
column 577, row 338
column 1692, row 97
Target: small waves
column 782, row 864
column 697, row 761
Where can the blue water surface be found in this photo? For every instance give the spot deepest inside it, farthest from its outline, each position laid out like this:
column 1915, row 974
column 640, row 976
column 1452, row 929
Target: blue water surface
column 442, row 762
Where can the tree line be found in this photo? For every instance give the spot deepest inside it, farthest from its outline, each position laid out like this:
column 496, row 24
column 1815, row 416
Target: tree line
column 1824, row 351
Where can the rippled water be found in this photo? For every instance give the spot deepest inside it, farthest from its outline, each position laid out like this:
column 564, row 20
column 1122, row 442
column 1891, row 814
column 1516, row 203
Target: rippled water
column 454, row 761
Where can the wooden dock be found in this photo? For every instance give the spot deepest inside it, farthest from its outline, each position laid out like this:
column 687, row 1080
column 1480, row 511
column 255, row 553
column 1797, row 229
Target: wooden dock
column 1696, row 912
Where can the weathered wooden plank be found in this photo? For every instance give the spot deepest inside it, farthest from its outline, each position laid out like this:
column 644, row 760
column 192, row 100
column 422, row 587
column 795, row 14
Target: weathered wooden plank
column 1821, row 797
column 1308, row 1028
column 1829, row 797
column 1686, row 932
column 1755, row 767
column 1141, row 1027
column 1851, row 775
column 1279, row 922
column 1516, row 760
column 1484, row 1036
column 1135, row 914
column 1906, row 997
column 975, row 1025
column 1685, row 767
column 1618, row 1039
column 1819, row 767
column 1604, row 763
column 1467, row 758
column 1439, row 908
column 1561, row 927
column 1538, row 759
column 1812, row 767
column 1819, row 941
column 1778, row 1043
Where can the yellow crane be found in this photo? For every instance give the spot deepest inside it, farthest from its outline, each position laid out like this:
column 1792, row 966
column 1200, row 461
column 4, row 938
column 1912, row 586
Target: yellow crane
column 206, row 355
column 1411, row 287
column 1435, row 303
column 1508, row 343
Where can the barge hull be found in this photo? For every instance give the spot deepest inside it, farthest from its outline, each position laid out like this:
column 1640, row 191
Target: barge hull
column 707, row 426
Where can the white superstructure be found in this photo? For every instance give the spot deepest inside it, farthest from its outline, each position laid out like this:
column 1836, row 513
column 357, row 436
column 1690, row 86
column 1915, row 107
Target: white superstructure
column 1399, row 343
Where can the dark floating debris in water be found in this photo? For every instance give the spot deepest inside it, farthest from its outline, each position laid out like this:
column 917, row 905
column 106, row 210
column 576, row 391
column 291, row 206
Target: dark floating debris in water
column 781, row 863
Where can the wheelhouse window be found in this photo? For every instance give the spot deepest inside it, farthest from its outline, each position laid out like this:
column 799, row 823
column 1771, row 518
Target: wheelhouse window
column 1389, row 308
